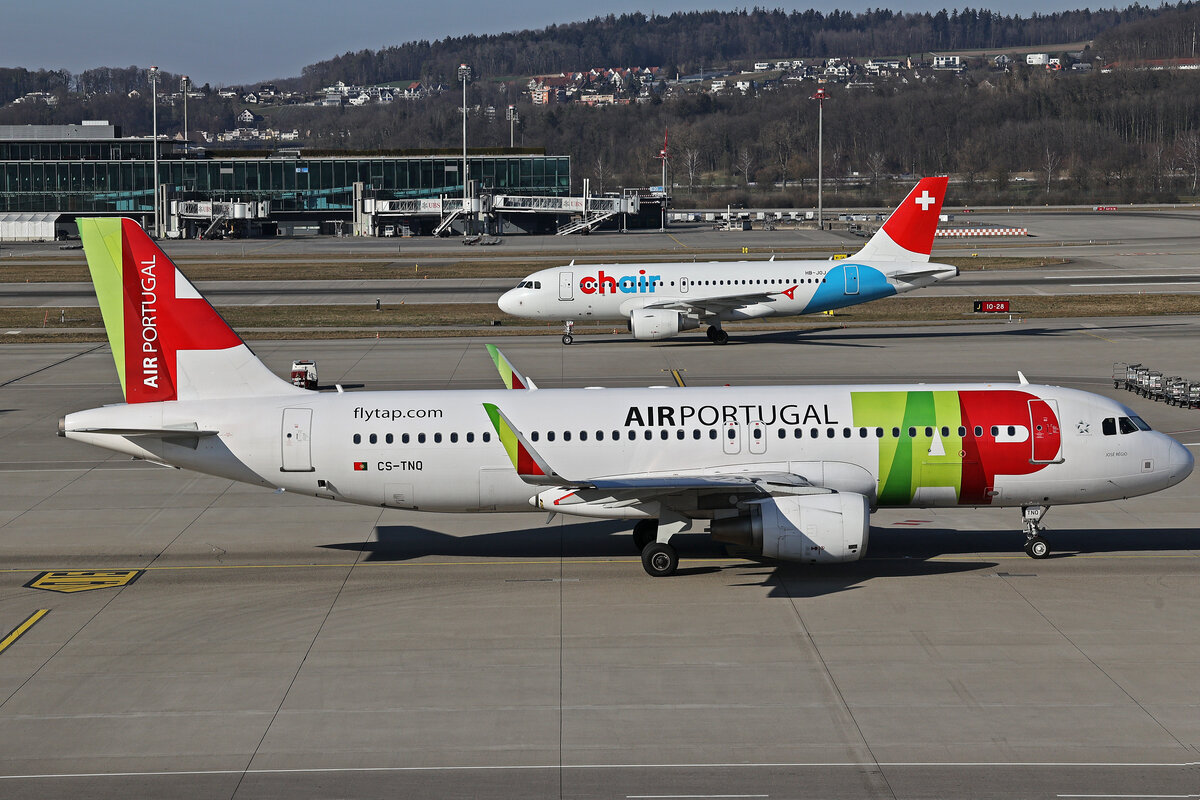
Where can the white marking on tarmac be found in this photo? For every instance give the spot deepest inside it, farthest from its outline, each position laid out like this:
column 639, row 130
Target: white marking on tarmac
column 512, row 767
column 670, row 796
column 1144, row 283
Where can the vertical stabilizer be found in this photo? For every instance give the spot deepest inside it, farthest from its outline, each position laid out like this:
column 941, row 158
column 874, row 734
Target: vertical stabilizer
column 167, row 341
column 907, row 235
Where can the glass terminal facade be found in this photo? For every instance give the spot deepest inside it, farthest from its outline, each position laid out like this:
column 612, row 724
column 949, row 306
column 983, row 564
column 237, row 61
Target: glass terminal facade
column 113, row 176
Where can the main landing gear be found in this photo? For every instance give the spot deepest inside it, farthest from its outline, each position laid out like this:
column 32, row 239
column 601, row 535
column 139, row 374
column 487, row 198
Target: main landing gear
column 659, row 559
column 568, row 327
column 716, row 335
column 1035, row 545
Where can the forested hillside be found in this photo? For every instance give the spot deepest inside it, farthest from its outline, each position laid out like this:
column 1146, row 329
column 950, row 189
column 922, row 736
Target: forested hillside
column 1013, row 133
column 687, row 42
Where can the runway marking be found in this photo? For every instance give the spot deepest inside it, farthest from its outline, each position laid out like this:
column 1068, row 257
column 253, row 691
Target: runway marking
column 1130, row 795
column 1147, row 283
column 20, row 630
column 681, row 244
column 517, row 767
column 1098, row 336
column 83, row 580
column 686, row 796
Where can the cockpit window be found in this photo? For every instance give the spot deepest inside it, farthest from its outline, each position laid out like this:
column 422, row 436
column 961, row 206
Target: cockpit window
column 1132, row 424
column 1109, row 426
column 537, row 284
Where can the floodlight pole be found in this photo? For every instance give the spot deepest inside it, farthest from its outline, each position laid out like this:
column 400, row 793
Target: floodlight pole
column 154, row 113
column 820, row 97
column 183, row 84
column 464, row 75
column 513, row 118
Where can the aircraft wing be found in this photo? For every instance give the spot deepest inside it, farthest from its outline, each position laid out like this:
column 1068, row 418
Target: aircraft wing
column 715, row 305
column 666, row 484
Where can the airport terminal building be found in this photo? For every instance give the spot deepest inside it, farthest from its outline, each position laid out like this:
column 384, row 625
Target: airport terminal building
column 51, row 174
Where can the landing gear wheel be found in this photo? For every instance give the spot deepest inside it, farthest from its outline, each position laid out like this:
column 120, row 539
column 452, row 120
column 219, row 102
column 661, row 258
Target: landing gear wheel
column 659, row 560
column 720, row 337
column 1037, row 547
column 711, row 332
column 644, row 532
column 567, row 338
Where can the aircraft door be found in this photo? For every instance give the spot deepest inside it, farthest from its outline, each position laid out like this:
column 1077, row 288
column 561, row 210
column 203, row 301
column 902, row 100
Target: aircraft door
column 296, row 438
column 566, row 281
column 1046, row 435
column 731, row 438
column 758, row 437
column 851, row 272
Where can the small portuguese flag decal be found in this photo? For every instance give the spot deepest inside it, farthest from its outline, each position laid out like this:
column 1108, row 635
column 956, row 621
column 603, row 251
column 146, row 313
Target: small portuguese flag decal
column 360, row 466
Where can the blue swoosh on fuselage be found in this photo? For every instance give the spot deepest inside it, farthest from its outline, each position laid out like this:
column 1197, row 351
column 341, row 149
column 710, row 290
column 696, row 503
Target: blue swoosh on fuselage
column 872, row 285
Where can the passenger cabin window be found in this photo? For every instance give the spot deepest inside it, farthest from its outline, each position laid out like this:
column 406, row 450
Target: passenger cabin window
column 388, row 438
column 358, row 437
column 373, row 438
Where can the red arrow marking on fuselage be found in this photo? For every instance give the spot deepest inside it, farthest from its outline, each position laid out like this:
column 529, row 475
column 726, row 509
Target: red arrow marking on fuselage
column 791, row 293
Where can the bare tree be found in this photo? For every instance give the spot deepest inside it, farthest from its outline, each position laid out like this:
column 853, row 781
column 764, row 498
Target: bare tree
column 783, row 145
column 745, row 163
column 1050, row 163
column 1189, row 155
column 875, row 163
column 691, row 165
column 601, row 173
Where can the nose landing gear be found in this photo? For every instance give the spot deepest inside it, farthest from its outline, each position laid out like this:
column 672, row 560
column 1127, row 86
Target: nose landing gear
column 1035, row 545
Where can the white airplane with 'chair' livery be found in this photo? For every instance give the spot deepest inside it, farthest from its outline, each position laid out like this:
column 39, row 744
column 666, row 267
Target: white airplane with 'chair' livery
column 792, row 472
column 659, row 301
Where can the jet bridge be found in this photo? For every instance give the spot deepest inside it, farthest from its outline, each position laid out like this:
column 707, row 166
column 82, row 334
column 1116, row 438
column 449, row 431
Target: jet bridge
column 550, row 213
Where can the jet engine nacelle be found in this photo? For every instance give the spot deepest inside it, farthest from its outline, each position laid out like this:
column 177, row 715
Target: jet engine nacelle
column 657, row 323
column 819, row 528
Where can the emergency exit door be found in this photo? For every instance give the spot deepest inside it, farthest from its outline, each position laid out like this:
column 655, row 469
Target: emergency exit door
column 565, row 283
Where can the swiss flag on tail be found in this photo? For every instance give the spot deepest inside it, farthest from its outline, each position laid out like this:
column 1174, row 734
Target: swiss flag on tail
column 912, row 224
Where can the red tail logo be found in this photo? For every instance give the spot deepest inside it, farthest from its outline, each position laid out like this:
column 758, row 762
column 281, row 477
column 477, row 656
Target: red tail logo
column 912, row 224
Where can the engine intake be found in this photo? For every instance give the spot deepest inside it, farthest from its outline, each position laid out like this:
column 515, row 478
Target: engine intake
column 822, row 528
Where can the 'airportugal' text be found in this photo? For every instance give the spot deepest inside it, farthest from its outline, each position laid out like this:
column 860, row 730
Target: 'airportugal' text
column 668, row 416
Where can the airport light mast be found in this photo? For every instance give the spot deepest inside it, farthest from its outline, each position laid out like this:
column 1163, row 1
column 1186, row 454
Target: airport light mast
column 820, row 97
column 664, row 156
column 183, row 87
column 513, row 119
column 464, row 75
column 154, row 112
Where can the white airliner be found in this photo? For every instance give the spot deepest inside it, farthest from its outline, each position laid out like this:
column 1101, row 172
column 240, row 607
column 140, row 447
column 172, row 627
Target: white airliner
column 659, row 301
column 790, row 471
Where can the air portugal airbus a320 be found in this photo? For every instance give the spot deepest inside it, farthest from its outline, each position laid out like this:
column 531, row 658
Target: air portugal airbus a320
column 790, row 471
column 659, row 301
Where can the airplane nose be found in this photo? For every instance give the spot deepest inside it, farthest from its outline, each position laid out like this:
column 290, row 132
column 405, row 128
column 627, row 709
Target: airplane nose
column 1180, row 462
column 506, row 302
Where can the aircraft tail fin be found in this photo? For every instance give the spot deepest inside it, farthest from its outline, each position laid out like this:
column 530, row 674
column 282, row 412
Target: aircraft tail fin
column 512, row 377
column 167, row 341
column 907, row 235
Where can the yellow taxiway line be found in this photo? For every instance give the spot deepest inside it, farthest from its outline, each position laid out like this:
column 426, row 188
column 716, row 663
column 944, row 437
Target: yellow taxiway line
column 20, row 630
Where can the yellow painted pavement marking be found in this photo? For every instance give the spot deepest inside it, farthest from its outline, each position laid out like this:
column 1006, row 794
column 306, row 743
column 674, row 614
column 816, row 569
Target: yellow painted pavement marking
column 20, row 630
column 1097, row 336
column 681, row 244
column 83, row 580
